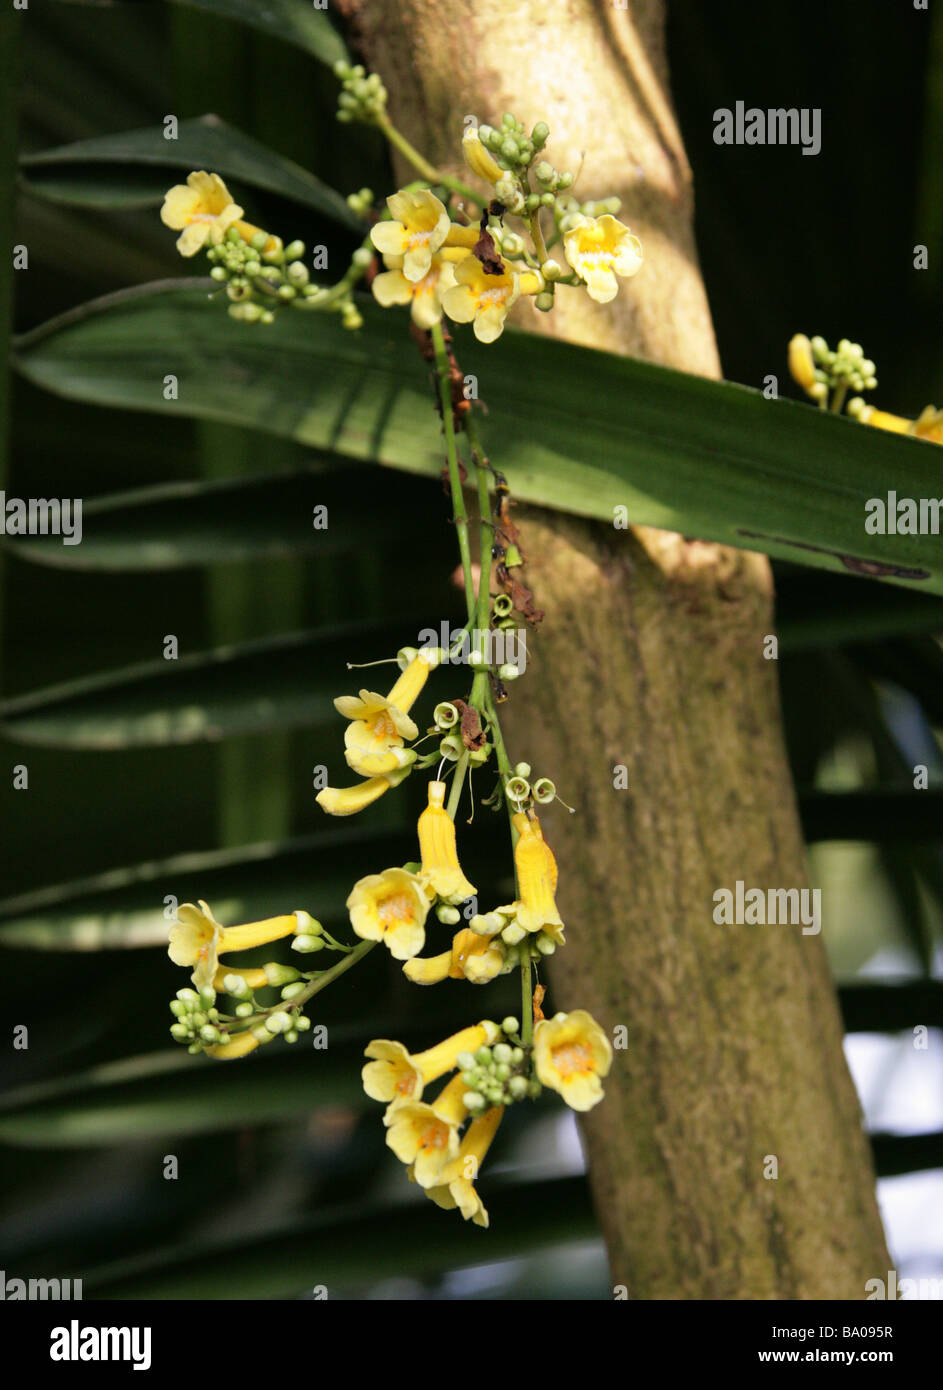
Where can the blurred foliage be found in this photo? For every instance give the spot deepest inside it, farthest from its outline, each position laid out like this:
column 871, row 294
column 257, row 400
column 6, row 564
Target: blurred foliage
column 142, row 783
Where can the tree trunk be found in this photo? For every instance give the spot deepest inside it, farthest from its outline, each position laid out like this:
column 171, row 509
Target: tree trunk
column 728, row 1158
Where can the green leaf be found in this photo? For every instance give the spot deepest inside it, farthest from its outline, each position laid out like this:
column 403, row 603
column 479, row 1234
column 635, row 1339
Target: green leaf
column 124, row 908
column 202, row 523
column 136, row 167
column 705, row 458
column 295, row 21
column 283, row 682
column 173, row 1094
column 351, row 1248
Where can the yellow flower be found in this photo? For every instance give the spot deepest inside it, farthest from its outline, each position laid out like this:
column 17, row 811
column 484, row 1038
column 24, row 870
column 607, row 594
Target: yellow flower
column 455, row 1187
column 237, row 1047
column 427, row 1136
column 392, row 287
column 571, row 1053
column 802, row 364
column 472, row 957
column 395, row 1075
column 379, row 723
column 483, row 298
column 478, row 959
column 536, row 878
column 419, row 227
column 390, row 907
column 347, row 801
column 202, row 208
column 599, row 249
column 198, row 940
column 479, row 160
column 441, row 870
column 928, row 425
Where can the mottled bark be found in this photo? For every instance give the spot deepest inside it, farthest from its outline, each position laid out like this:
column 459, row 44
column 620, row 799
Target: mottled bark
column 651, row 658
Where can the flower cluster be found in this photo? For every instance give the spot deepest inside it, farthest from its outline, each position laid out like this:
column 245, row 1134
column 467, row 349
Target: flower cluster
column 261, row 274
column 827, row 377
column 476, row 274
column 425, row 912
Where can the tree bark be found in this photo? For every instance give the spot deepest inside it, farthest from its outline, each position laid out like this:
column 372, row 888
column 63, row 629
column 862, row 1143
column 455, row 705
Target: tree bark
column 650, row 658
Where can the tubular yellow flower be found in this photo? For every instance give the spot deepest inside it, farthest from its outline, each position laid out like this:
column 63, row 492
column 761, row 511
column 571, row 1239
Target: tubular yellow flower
column 571, row 1053
column 427, row 1136
column 238, row 1047
column 423, row 296
column 479, row 160
column 599, row 249
column 396, row 1075
column 347, row 801
column 419, row 227
column 472, row 957
column 802, row 363
column 483, row 298
column 198, row 940
column 390, row 907
column 928, row 425
column 379, row 723
column 478, row 959
column 201, row 209
column 428, row 970
column 536, row 877
column 455, row 1187
column 441, row 870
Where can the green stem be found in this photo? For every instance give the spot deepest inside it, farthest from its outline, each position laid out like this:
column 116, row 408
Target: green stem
column 287, row 1005
column 527, row 1002
column 838, row 400
column 459, row 513
column 458, row 781
column 420, row 163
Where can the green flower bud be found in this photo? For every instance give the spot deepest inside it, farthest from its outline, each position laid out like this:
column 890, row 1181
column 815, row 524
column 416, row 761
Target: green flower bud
column 277, row 974
column 517, row 1056
column 501, row 1053
column 449, row 915
column 195, row 1049
column 198, row 1019
column 278, row 1022
column 540, row 134
column 297, row 274
column 465, row 1061
column 179, row 1031
column 564, row 180
column 219, row 273
column 292, row 991
column 306, row 945
column 292, row 1035
column 483, row 1056
column 545, row 944
column 551, row 270
column 543, row 302
column 473, row 1101
column 510, row 1025
column 544, row 173
column 522, row 770
column 513, row 934
column 469, row 1078
column 502, row 1071
column 518, row 1087
column 534, row 1089
column 362, row 258
column 262, row 1034
column 188, row 997
column 302, row 1023
column 180, row 1010
column 245, row 1010
column 209, row 1034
